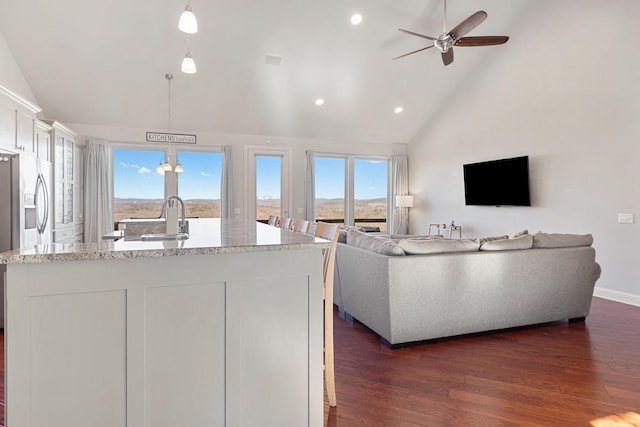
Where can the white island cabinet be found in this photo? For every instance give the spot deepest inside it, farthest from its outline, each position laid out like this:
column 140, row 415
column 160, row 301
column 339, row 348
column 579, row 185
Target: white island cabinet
column 222, row 329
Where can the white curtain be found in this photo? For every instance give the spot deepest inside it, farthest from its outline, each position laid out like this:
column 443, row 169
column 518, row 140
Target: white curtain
column 98, row 196
column 400, row 186
column 310, row 185
column 226, row 187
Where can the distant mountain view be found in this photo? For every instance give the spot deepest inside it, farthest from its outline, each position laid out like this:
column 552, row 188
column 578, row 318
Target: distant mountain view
column 210, row 208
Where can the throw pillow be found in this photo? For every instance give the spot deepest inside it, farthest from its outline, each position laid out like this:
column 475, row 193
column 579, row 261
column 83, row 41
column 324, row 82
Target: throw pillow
column 545, row 240
column 482, row 240
column 398, row 237
column 381, row 245
column 342, row 236
column 520, row 233
column 435, row 246
column 522, row 242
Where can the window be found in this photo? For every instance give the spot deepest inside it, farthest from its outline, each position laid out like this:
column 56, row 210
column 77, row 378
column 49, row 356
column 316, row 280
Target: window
column 268, row 178
column 268, row 186
column 370, row 190
column 352, row 191
column 199, row 184
column 139, row 190
column 329, row 183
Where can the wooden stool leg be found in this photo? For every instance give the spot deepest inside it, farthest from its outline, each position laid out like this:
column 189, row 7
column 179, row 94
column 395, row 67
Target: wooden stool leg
column 329, row 374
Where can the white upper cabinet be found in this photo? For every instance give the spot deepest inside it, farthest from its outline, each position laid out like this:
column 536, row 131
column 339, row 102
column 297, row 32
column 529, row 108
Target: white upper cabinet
column 17, row 122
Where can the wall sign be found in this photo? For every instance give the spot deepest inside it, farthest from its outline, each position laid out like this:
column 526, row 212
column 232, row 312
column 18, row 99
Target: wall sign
column 177, row 138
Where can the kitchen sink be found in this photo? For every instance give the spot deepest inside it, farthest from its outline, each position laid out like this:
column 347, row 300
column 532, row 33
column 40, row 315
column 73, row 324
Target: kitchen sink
column 163, row 236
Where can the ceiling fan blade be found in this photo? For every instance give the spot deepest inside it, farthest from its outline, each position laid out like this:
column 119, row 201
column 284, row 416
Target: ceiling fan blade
column 447, row 57
column 468, row 24
column 482, row 41
column 416, row 34
column 411, row 53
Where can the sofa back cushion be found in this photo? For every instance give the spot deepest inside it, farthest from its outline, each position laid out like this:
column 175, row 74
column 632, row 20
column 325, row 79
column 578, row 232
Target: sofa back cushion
column 435, row 246
column 381, row 245
column 545, row 240
column 482, row 240
column 523, row 242
column 342, row 237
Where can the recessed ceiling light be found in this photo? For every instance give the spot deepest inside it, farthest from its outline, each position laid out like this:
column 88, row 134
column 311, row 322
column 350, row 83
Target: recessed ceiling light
column 398, row 110
column 356, row 19
column 319, row 101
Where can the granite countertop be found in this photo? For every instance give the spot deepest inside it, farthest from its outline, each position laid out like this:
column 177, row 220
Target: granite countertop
column 206, row 236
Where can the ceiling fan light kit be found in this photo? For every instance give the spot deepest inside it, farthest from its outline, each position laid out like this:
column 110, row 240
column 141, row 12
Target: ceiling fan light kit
column 448, row 39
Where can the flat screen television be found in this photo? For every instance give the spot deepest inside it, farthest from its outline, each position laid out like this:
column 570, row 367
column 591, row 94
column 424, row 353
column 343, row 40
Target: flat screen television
column 502, row 182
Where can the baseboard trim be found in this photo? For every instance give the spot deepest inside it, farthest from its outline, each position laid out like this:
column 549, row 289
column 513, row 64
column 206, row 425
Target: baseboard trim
column 617, row 296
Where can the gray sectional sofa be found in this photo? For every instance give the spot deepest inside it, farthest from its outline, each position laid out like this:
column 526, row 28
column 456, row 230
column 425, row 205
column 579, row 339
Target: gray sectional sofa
column 417, row 288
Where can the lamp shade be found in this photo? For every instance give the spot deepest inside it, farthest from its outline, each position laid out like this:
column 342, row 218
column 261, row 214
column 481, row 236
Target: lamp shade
column 188, row 23
column 188, row 64
column 404, row 201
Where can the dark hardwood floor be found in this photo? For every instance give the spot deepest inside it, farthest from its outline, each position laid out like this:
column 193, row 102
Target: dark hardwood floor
column 559, row 375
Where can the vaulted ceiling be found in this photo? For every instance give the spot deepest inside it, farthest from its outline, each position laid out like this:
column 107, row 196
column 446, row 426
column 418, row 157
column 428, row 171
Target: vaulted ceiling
column 103, row 63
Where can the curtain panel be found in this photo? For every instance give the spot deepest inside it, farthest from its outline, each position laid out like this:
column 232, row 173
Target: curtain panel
column 98, row 193
column 310, row 185
column 400, row 186
column 226, row 184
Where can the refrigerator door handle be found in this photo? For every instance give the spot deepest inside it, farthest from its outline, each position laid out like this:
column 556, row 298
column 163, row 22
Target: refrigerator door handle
column 41, row 186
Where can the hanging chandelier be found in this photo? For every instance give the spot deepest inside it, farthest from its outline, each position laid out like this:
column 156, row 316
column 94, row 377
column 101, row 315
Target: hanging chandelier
column 166, row 166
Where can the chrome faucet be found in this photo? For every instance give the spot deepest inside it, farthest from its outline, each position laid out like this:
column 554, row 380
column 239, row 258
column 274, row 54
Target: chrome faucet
column 183, row 223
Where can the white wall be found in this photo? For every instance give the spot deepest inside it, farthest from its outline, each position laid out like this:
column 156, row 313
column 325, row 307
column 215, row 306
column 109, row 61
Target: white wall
column 573, row 106
column 10, row 74
column 238, row 143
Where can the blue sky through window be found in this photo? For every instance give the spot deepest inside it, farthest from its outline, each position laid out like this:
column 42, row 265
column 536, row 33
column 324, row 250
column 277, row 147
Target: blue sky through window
column 135, row 174
column 370, row 178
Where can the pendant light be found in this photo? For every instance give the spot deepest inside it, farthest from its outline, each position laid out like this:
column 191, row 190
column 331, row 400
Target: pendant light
column 188, row 64
column 188, row 23
column 166, row 167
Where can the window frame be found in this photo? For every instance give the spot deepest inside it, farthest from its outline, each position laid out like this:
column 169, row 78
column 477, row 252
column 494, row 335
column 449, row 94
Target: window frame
column 349, row 183
column 171, row 180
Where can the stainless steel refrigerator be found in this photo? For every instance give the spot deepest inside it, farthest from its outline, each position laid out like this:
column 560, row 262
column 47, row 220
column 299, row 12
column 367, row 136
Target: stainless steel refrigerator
column 25, row 217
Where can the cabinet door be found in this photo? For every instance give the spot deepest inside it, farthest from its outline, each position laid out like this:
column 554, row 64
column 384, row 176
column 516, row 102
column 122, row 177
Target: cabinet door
column 64, row 165
column 78, row 183
column 25, row 134
column 7, row 127
column 268, row 352
column 43, row 144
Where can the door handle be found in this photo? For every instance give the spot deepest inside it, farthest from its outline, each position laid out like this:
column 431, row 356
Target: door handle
column 41, row 224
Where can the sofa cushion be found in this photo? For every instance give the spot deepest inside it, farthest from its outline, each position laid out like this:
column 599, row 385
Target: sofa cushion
column 520, row 233
column 482, row 240
column 434, row 246
column 398, row 237
column 342, row 237
column 522, row 242
column 381, row 245
column 545, row 240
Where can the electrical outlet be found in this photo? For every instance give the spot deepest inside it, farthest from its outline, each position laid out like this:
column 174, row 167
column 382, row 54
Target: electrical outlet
column 625, row 218
column 299, row 211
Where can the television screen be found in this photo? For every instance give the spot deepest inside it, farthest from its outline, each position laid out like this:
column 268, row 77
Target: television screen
column 502, row 182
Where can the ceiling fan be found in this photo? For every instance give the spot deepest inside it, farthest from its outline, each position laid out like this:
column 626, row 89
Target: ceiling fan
column 445, row 41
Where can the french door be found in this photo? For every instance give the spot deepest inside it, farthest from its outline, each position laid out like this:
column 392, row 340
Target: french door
column 269, row 182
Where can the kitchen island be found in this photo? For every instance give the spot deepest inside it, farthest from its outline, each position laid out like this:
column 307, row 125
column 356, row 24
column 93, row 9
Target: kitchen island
column 221, row 329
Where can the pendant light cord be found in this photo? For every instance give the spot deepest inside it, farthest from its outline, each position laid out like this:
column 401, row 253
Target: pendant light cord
column 169, row 77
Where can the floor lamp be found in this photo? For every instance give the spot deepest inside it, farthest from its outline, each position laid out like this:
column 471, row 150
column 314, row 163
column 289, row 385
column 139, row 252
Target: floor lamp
column 404, row 202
